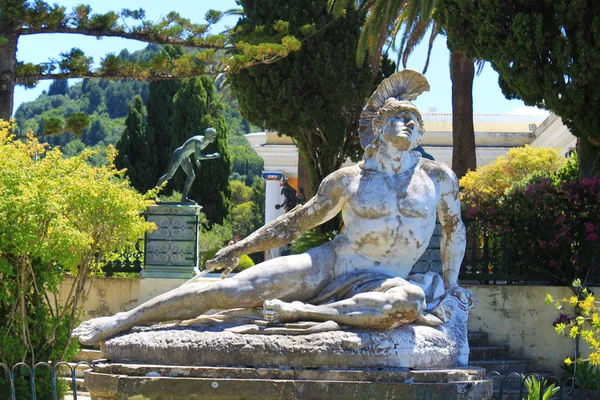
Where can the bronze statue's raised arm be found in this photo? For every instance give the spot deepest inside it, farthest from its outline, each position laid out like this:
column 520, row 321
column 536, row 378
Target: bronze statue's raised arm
column 326, row 204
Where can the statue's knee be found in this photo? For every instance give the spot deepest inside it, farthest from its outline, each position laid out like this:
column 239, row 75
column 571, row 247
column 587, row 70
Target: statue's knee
column 409, row 302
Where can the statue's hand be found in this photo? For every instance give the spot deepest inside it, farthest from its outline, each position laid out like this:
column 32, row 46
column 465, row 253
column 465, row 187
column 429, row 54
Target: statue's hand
column 223, row 261
column 215, row 155
column 466, row 297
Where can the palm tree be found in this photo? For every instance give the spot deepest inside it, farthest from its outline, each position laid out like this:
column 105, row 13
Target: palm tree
column 384, row 21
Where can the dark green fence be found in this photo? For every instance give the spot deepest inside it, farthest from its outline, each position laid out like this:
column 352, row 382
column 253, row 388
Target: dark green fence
column 56, row 370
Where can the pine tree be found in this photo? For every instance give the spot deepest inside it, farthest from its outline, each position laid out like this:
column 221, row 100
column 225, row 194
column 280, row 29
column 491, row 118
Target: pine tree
column 195, row 108
column 135, row 149
column 20, row 18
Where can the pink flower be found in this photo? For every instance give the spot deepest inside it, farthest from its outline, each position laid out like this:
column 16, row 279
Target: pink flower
column 591, row 237
column 589, row 227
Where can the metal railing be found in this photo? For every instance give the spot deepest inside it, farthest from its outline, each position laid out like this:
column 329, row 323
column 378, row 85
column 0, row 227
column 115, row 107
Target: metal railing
column 513, row 386
column 57, row 371
column 490, row 258
column 128, row 261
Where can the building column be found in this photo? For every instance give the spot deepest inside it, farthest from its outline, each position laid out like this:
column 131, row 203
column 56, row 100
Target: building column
column 273, row 197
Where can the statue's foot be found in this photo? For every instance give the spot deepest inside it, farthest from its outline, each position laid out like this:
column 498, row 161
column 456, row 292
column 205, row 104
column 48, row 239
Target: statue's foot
column 96, row 329
column 279, row 311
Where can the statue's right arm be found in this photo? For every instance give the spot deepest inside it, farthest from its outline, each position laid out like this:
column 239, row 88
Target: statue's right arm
column 325, row 205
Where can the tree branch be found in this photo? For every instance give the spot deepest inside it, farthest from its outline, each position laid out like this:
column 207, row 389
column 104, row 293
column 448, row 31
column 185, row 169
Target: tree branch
column 193, row 41
column 40, row 77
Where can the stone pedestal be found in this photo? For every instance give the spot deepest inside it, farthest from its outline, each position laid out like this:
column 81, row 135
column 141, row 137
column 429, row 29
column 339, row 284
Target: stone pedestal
column 172, row 250
column 410, row 346
column 115, row 381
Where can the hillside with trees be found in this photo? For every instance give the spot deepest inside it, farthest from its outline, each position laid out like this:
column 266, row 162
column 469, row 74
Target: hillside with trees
column 106, row 103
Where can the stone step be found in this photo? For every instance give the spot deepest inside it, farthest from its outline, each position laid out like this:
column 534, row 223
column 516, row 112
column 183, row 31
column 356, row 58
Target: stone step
column 488, row 353
column 478, row 338
column 79, row 370
column 88, row 355
column 125, row 387
column 510, row 395
column 502, row 366
column 79, row 383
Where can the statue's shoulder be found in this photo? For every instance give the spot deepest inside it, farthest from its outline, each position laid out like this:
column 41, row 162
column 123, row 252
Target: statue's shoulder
column 438, row 171
column 346, row 172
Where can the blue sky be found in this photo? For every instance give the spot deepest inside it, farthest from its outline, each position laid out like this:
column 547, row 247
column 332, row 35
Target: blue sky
column 488, row 98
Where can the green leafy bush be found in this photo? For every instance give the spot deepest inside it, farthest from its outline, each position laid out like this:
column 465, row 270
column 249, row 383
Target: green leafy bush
column 245, row 263
column 58, row 216
column 534, row 388
column 309, row 240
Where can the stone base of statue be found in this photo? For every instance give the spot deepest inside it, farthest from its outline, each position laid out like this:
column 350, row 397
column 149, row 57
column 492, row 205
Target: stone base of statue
column 117, row 381
column 215, row 360
column 171, row 251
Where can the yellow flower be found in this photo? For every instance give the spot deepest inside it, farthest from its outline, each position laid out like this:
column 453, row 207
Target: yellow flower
column 574, row 331
column 568, row 361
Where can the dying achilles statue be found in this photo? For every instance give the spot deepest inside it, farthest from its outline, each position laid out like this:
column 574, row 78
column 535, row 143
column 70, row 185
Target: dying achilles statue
column 182, row 156
column 360, row 279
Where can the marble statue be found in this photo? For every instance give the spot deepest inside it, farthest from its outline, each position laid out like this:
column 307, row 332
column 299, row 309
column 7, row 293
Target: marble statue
column 182, row 156
column 290, row 197
column 388, row 202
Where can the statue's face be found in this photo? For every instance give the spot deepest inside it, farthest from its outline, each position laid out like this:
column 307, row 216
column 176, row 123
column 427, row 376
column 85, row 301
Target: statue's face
column 402, row 130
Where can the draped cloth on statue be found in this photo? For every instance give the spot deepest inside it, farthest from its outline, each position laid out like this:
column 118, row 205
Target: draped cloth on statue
column 349, row 285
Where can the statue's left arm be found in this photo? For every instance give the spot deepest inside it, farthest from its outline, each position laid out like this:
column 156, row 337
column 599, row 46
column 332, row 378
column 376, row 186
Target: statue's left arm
column 198, row 153
column 454, row 237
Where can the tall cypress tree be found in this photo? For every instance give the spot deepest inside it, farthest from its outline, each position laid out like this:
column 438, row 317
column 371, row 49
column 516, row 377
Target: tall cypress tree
column 196, row 108
column 160, row 111
column 58, row 86
column 135, row 149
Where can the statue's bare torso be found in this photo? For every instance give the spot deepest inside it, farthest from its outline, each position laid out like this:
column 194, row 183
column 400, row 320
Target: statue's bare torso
column 388, row 220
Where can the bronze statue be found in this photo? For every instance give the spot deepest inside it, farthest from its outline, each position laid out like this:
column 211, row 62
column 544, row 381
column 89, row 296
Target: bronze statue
column 290, row 198
column 182, row 156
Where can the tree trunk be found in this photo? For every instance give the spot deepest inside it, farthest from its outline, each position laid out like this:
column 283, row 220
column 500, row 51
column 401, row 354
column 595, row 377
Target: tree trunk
column 304, row 186
column 589, row 158
column 462, row 72
column 8, row 66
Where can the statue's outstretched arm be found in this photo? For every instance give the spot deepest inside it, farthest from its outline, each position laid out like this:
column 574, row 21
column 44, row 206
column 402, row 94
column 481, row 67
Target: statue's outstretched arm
column 326, row 204
column 207, row 156
column 454, row 238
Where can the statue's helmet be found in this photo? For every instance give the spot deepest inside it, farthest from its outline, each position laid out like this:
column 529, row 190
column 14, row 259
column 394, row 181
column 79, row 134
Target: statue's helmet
column 394, row 94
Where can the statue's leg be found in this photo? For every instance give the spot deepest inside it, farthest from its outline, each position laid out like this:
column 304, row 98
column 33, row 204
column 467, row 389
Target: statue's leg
column 174, row 163
column 188, row 168
column 395, row 306
column 297, row 277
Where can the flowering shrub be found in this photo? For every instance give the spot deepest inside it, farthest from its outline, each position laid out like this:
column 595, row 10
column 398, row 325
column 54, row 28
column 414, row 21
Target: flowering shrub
column 548, row 228
column 57, row 216
column 487, row 183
